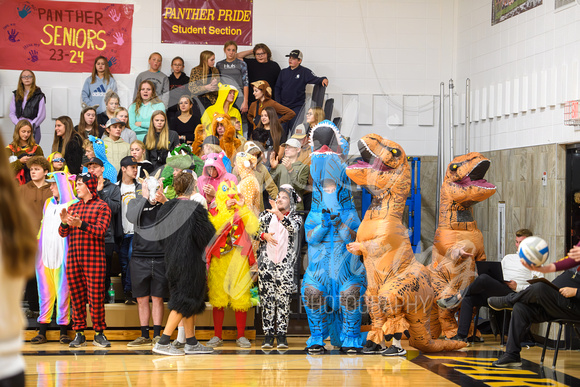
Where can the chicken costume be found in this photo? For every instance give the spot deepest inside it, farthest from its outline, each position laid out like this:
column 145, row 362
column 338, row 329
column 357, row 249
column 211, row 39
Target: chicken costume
column 463, row 186
column 52, row 252
column 399, row 294
column 230, row 256
column 335, row 281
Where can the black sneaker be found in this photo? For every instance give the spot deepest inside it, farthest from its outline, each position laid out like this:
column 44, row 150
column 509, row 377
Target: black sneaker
column 499, row 303
column 475, row 339
column 508, row 360
column 79, row 341
column 100, row 340
column 460, row 338
column 449, row 303
column 268, row 342
column 282, row 342
column 129, row 300
column 394, row 351
column 315, row 348
column 372, row 348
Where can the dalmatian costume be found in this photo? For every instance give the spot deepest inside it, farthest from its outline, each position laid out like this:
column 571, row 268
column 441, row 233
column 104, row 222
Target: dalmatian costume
column 276, row 266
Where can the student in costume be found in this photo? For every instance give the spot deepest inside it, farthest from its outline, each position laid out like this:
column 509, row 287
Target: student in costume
column 279, row 232
column 51, row 259
column 184, row 230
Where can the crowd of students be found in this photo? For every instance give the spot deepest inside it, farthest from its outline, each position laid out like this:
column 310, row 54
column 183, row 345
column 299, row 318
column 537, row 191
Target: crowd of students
column 93, row 193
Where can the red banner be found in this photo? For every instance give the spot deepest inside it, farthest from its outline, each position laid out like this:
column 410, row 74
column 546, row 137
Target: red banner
column 206, row 21
column 65, row 36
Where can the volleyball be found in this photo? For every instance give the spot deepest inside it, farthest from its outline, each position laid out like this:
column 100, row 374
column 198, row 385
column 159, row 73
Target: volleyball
column 534, row 250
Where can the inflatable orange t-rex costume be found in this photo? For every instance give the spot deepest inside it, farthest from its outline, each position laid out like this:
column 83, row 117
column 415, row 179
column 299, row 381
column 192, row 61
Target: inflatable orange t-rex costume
column 458, row 243
column 399, row 295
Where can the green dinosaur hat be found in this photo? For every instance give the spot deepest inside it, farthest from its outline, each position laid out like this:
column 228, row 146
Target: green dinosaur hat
column 181, row 157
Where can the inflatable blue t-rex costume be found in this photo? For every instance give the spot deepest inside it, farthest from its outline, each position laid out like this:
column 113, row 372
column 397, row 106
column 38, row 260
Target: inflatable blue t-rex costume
column 335, row 280
column 100, row 150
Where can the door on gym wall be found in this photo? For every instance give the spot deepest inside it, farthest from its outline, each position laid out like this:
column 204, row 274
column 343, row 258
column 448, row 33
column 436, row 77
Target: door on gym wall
column 572, row 196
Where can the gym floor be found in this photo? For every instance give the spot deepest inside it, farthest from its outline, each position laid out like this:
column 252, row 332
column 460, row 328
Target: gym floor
column 53, row 364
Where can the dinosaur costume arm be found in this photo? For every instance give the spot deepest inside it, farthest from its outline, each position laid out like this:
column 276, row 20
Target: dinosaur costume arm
column 346, row 233
column 317, row 233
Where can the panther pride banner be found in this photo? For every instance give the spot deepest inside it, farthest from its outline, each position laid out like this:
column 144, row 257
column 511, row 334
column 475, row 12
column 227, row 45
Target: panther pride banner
column 65, row 36
column 206, row 21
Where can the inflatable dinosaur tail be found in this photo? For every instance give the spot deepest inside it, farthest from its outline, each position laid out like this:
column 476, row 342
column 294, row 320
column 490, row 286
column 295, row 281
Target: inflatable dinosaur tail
column 437, row 345
column 421, row 336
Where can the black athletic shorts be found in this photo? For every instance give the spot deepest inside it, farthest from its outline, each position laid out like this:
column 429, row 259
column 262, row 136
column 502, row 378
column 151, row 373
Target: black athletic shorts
column 148, row 277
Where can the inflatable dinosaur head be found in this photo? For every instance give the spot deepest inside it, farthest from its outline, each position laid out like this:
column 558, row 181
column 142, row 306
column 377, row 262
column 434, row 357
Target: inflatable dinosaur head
column 384, row 163
column 464, row 181
column 331, row 185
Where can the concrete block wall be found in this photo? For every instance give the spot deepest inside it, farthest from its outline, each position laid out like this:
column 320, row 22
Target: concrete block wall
column 374, row 51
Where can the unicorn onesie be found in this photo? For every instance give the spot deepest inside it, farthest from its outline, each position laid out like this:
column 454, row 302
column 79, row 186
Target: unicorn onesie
column 52, row 252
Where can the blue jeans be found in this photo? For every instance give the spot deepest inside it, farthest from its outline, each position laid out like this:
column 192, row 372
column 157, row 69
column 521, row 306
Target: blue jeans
column 124, row 258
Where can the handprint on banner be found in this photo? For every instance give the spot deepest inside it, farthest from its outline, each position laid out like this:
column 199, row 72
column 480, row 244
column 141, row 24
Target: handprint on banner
column 33, row 55
column 114, row 15
column 112, row 61
column 12, row 34
column 25, row 11
column 119, row 38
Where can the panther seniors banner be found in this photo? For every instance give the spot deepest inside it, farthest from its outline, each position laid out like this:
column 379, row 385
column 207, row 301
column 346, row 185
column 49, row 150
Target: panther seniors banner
column 206, row 21
column 65, row 36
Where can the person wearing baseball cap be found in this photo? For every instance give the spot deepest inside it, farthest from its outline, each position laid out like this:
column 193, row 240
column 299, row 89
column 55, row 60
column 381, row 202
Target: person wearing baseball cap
column 290, row 170
column 117, row 148
column 263, row 95
column 291, row 85
column 301, row 134
column 94, row 160
column 129, row 189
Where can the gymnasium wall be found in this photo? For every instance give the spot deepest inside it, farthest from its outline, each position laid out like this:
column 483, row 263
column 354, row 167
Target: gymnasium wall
column 522, row 70
column 384, row 60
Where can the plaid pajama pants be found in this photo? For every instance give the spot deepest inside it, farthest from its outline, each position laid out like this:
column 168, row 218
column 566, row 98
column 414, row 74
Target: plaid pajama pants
column 86, row 281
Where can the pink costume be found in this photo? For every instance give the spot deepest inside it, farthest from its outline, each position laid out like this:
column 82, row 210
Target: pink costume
column 214, row 160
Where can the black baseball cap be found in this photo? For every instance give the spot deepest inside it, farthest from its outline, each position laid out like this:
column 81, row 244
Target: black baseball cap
column 128, row 160
column 95, row 160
